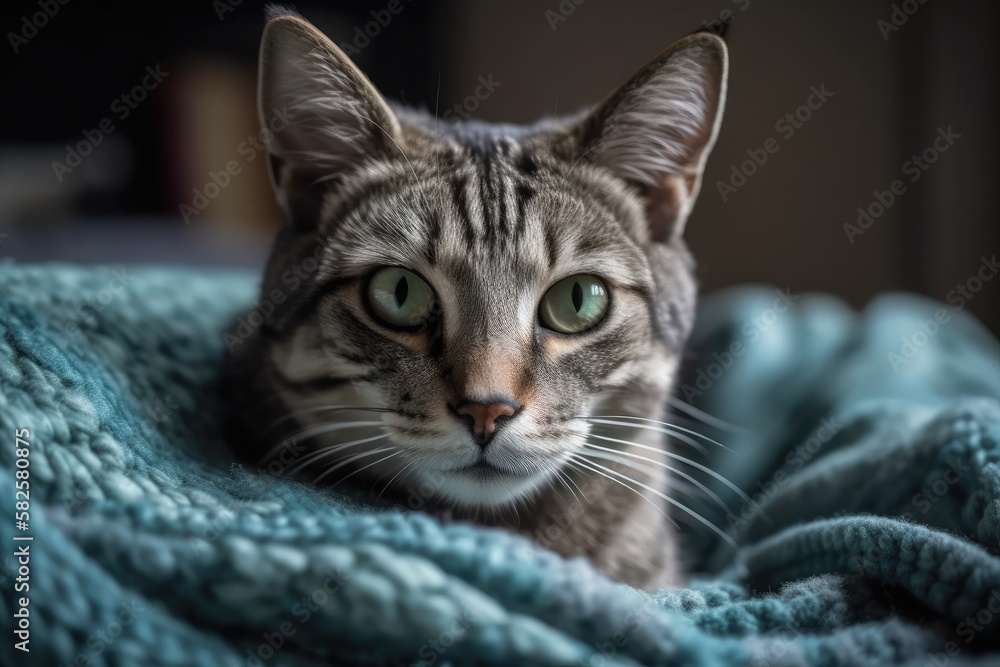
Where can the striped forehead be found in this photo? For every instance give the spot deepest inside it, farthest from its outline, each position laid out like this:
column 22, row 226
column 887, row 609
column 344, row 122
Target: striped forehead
column 491, row 213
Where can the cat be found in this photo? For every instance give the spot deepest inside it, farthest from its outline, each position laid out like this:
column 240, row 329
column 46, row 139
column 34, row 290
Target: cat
column 475, row 320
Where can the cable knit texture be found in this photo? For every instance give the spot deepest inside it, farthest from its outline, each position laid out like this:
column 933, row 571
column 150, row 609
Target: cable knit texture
column 870, row 537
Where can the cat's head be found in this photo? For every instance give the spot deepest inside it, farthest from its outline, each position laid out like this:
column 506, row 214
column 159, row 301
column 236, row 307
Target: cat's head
column 485, row 286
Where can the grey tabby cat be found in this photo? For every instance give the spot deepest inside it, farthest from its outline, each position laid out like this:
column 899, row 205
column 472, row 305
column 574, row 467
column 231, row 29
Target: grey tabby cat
column 481, row 320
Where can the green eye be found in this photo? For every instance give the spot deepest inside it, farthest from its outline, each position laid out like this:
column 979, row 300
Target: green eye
column 400, row 298
column 574, row 304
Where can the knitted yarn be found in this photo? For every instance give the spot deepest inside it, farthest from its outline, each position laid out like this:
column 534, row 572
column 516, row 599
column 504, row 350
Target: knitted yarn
column 151, row 546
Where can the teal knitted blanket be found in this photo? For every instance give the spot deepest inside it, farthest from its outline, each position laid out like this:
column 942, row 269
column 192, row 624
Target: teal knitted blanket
column 869, row 449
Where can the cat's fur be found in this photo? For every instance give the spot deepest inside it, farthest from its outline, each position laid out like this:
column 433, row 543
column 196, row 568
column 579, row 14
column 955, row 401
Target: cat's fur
column 490, row 216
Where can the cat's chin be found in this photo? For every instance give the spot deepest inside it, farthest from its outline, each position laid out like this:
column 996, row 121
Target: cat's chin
column 483, row 486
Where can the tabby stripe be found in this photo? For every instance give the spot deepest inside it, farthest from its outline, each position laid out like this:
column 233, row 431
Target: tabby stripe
column 437, row 342
column 359, row 358
column 461, row 201
column 527, row 164
column 359, row 335
column 487, row 195
column 523, row 193
column 299, row 313
column 414, row 431
column 334, row 283
column 433, row 236
column 410, row 415
column 551, row 245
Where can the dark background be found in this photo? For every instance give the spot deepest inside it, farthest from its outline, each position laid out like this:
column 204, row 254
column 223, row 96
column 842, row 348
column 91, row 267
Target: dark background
column 893, row 89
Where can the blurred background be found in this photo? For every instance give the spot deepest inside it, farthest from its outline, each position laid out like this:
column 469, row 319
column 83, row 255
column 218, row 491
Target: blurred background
column 120, row 120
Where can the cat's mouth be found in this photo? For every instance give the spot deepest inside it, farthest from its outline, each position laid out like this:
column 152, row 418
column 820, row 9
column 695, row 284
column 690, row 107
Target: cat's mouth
column 485, row 483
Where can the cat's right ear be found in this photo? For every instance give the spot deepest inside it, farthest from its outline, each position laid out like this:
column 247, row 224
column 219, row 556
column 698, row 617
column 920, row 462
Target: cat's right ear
column 325, row 115
column 657, row 128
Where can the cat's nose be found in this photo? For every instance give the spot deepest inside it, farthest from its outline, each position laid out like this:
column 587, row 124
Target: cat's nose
column 482, row 418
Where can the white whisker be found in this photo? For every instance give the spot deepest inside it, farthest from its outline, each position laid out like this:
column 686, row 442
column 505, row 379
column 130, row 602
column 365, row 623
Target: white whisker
column 720, row 424
column 680, row 486
column 679, row 517
column 389, row 483
column 321, row 408
column 396, row 453
column 729, row 540
column 586, row 466
column 351, row 459
column 316, row 430
column 559, row 474
column 572, row 481
column 332, row 449
column 694, row 464
column 673, row 434
column 599, row 420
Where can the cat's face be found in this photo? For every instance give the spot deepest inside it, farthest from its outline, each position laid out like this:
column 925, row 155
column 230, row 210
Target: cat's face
column 485, row 287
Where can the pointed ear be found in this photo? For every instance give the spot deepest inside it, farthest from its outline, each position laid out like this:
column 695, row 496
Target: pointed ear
column 657, row 129
column 325, row 114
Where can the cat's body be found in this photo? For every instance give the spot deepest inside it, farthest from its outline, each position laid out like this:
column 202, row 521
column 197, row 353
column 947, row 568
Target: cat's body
column 480, row 300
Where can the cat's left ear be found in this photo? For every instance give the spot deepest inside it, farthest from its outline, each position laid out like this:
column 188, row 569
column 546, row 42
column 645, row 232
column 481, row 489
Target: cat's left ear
column 327, row 118
column 657, row 129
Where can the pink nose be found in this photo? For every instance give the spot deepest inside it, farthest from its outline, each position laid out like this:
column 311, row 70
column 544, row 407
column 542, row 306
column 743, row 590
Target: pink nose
column 482, row 418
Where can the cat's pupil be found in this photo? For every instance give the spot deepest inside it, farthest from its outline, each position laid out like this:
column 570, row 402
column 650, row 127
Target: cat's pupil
column 577, row 296
column 402, row 289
